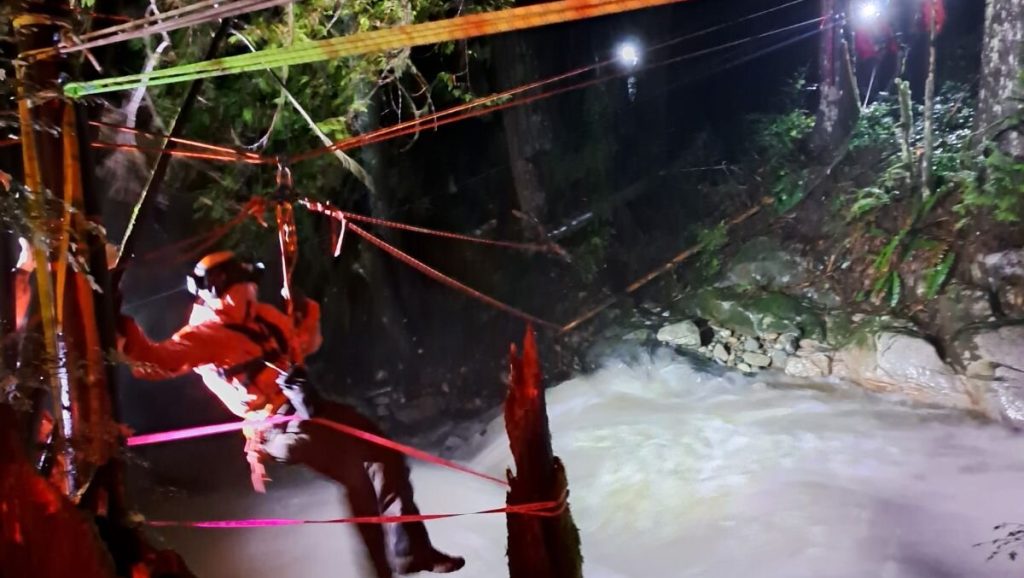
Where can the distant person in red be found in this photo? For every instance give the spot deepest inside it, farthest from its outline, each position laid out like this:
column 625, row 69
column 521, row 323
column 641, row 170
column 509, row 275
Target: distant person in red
column 884, row 31
column 250, row 355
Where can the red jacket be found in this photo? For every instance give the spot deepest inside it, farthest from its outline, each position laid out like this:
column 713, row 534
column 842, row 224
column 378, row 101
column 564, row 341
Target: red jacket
column 230, row 358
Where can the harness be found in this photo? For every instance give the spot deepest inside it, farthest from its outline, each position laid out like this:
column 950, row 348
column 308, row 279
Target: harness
column 273, row 344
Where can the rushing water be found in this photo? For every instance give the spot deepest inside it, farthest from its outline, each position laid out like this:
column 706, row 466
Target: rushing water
column 677, row 472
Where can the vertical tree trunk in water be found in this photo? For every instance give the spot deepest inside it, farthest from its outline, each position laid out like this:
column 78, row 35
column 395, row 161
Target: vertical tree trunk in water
column 1002, row 58
column 528, row 131
column 838, row 105
column 538, row 547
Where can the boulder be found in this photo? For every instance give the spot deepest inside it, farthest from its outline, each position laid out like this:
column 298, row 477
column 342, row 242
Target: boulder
column 959, row 306
column 682, row 334
column 757, row 313
column 763, row 262
column 756, row 359
column 907, row 365
column 1003, row 274
column 810, row 365
column 721, row 353
column 992, row 355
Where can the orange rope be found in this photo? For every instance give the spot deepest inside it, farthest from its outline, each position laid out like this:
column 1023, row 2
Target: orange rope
column 544, row 247
column 183, row 153
column 423, row 267
column 179, row 140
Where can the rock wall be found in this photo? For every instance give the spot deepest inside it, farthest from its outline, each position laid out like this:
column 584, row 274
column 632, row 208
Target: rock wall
column 771, row 310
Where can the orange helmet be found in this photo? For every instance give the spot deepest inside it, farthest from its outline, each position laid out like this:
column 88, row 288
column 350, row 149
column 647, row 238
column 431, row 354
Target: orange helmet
column 218, row 272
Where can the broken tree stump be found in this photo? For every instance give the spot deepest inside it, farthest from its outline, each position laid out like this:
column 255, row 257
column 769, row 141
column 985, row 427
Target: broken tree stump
column 538, row 546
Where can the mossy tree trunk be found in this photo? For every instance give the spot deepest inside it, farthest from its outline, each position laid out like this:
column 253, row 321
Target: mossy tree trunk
column 1002, row 58
column 838, row 106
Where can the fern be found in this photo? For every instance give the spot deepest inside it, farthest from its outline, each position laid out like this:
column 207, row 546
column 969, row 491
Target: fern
column 938, row 275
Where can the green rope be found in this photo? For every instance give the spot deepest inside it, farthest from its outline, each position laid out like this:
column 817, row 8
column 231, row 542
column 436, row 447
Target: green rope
column 459, row 28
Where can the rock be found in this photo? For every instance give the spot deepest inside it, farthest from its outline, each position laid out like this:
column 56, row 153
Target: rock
column 757, row 313
column 811, row 344
column 770, row 336
column 779, row 358
column 757, row 359
column 744, row 367
column 732, row 341
column 904, row 364
column 763, row 262
column 993, row 356
column 814, row 365
column 751, row 344
column 638, row 335
column 789, row 343
column 1002, row 273
column 721, row 353
column 957, row 307
column 682, row 334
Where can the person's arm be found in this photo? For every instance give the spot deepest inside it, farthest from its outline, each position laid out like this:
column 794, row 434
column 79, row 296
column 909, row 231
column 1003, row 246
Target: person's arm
column 186, row 350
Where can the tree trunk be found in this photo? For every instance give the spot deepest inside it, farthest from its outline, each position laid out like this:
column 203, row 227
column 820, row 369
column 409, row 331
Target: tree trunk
column 929, row 109
column 1002, row 58
column 528, row 131
column 838, row 103
column 43, row 165
column 538, row 546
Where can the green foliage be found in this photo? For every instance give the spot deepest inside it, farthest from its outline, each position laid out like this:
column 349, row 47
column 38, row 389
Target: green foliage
column 938, row 275
column 343, row 97
column 711, row 241
column 867, row 200
column 874, row 129
column 995, row 186
column 589, row 256
column 776, row 143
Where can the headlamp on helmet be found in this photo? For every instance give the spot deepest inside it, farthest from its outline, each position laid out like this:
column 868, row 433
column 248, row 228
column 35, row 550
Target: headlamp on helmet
column 218, row 272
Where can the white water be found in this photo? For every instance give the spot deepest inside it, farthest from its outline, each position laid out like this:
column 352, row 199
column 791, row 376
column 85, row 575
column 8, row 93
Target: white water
column 677, row 473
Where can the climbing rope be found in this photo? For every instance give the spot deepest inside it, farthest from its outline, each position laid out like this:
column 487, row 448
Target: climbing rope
column 423, row 267
column 458, row 28
column 186, row 16
column 477, row 107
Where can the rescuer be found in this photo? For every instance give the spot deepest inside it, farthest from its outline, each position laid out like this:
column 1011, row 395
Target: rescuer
column 250, row 356
column 885, row 30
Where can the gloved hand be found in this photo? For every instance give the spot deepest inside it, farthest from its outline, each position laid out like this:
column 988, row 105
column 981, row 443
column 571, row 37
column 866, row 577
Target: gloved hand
column 295, row 386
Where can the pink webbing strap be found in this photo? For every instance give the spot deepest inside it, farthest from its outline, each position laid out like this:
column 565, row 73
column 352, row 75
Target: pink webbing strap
column 208, row 430
column 203, row 431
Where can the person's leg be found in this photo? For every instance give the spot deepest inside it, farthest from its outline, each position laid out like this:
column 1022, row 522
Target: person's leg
column 331, row 456
column 388, row 470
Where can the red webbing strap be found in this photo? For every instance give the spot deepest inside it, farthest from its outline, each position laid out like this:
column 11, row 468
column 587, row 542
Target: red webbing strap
column 543, row 509
column 407, row 450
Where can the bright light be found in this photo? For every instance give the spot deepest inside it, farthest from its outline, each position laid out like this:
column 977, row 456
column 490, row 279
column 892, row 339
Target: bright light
column 629, row 54
column 870, row 10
